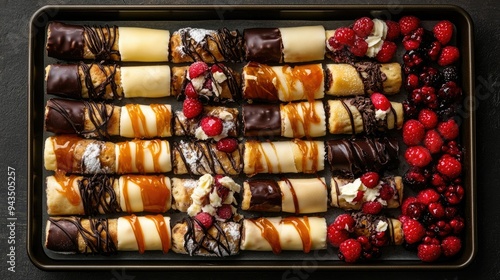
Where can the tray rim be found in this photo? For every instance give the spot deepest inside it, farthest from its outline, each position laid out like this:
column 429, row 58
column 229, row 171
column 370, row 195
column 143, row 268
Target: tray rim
column 469, row 138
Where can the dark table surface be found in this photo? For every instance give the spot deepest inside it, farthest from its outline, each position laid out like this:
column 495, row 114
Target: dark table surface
column 14, row 18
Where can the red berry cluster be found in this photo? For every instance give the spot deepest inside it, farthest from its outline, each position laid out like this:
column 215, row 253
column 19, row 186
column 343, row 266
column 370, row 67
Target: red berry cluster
column 349, row 42
column 431, row 220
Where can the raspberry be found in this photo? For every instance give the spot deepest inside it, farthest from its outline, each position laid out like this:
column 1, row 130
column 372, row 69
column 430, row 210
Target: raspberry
column 450, row 92
column 359, row 196
column 449, row 166
column 436, row 209
column 333, row 44
column 413, row 60
column 370, row 179
column 197, row 69
column 428, row 118
column 386, row 192
column 429, row 252
column 407, row 24
column 208, row 84
column 412, row 82
column 428, row 196
column 225, row 211
column 433, row 141
column 416, row 210
column 418, row 156
column 448, row 129
column 350, row 250
column 449, row 55
column 363, row 26
column 413, row 231
column 203, row 220
column 344, row 222
column 437, row 180
column 222, row 191
column 403, row 218
column 380, row 102
column 190, row 92
column 336, row 236
column 457, row 225
column 345, row 36
column 406, row 203
column 372, row 207
column 393, row 31
column 191, row 108
column 412, row 41
column 413, row 133
column 216, row 68
column 386, row 52
column 443, row 31
column 434, row 50
column 227, row 145
column 415, row 178
column 212, row 126
column 359, row 48
column 451, row 245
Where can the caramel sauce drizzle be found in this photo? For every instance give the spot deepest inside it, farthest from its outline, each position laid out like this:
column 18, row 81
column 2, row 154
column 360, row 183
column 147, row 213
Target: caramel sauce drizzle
column 138, row 120
column 311, row 77
column 154, row 192
column 263, row 87
column 256, row 152
column 125, row 155
column 303, row 120
column 303, row 228
column 161, row 227
column 294, row 195
column 309, row 151
column 163, row 117
column 135, row 224
column 269, row 233
column 67, row 189
column 64, row 147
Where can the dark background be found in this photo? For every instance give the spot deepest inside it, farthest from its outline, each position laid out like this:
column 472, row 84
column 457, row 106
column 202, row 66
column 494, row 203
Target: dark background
column 14, row 19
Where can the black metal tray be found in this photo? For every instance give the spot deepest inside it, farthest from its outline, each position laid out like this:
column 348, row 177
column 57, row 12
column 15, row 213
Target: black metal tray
column 236, row 17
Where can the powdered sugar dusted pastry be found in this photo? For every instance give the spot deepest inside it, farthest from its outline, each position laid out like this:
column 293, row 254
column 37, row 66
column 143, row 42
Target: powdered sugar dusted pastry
column 294, row 156
column 293, row 120
column 285, row 44
column 299, row 196
column 279, row 234
column 283, row 83
column 76, row 42
column 100, row 81
column 198, row 44
column 357, row 115
column 192, row 127
column 363, row 77
column 102, row 194
column 198, row 158
column 388, row 192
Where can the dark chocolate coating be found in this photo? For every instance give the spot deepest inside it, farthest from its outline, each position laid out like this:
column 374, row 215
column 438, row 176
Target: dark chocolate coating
column 263, row 45
column 64, row 80
column 64, row 116
column 65, row 41
column 62, row 236
column 353, row 157
column 266, row 195
column 261, row 120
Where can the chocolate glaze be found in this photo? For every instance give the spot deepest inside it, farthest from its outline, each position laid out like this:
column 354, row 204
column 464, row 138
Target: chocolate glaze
column 353, row 157
column 263, row 45
column 62, row 236
column 371, row 75
column 266, row 195
column 97, row 192
column 65, row 41
column 64, row 80
column 261, row 120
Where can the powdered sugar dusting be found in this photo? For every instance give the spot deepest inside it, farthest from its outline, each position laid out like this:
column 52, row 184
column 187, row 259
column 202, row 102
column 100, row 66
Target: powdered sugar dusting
column 90, row 158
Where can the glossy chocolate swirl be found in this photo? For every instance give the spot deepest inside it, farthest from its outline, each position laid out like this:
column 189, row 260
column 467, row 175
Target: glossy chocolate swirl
column 371, row 75
column 197, row 240
column 100, row 41
column 99, row 91
column 97, row 193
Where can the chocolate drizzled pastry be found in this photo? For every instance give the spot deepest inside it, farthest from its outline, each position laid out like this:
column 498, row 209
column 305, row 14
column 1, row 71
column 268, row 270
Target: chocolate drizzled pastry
column 98, row 195
column 371, row 75
column 369, row 225
column 353, row 157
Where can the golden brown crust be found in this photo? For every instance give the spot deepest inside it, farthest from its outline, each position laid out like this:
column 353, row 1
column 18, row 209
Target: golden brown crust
column 178, row 56
column 105, row 36
column 392, row 71
column 178, row 79
column 113, row 124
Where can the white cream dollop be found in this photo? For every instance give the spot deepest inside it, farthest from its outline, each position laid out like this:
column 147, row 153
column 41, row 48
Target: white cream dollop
column 203, row 188
column 380, row 115
column 381, row 226
column 350, row 190
column 376, row 38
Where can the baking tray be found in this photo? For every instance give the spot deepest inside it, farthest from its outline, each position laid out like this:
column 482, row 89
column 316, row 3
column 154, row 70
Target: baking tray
column 237, row 16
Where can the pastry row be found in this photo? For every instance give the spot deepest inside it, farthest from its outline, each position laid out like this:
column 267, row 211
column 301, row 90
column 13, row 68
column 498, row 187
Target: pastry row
column 293, row 120
column 347, row 157
column 104, row 194
column 220, row 83
column 189, row 236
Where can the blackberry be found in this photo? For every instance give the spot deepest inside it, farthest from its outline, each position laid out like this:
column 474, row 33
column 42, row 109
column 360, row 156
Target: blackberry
column 450, row 73
column 431, row 76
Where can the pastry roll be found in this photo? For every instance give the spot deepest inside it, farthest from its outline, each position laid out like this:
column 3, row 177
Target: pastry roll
column 91, row 119
column 357, row 115
column 372, row 225
column 283, row 83
column 298, row 196
column 197, row 44
column 278, row 234
column 293, row 120
column 353, row 157
column 72, row 154
column 389, row 192
column 222, row 239
column 191, row 127
column 76, row 42
column 99, row 81
column 285, row 44
column 102, row 194
column 218, row 83
column 198, row 158
column 363, row 77
column 71, row 235
column 294, row 156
